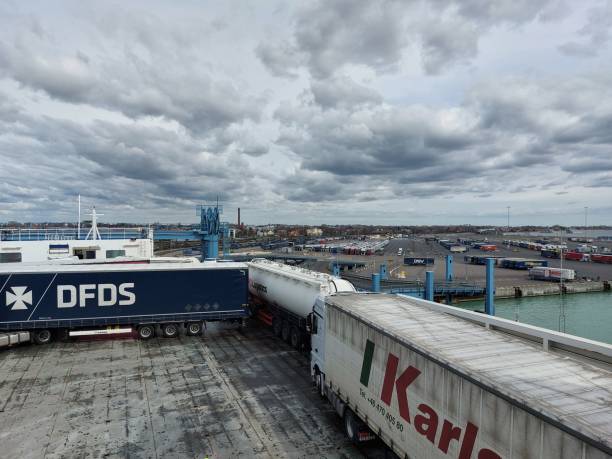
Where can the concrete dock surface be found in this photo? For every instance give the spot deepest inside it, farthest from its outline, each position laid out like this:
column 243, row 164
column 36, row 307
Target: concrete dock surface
column 227, row 394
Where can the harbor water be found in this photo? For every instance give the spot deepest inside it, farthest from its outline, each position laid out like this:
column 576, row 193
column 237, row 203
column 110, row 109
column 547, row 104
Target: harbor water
column 588, row 315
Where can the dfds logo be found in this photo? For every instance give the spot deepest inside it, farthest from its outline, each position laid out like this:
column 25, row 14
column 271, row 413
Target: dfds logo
column 68, row 296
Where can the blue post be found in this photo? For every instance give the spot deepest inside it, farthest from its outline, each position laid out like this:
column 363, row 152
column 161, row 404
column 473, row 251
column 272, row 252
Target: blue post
column 336, row 270
column 429, row 286
column 449, row 268
column 383, row 271
column 489, row 300
column 376, row 282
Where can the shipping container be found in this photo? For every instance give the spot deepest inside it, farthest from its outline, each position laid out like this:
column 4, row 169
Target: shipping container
column 600, row 258
column 520, row 263
column 488, row 247
column 552, row 274
column 480, row 259
column 71, row 297
column 576, row 256
column 433, row 381
column 418, row 261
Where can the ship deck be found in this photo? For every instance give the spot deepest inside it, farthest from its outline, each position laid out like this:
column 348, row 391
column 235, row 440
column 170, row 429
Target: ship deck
column 230, row 393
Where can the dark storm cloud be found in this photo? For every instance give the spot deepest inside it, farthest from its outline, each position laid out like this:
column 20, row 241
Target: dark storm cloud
column 47, row 161
column 500, row 130
column 164, row 80
column 329, row 35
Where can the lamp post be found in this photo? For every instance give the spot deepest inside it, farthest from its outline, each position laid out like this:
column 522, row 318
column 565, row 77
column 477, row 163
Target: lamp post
column 508, row 208
column 586, row 210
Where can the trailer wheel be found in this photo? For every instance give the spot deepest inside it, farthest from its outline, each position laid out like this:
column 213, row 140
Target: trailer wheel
column 319, row 383
column 295, row 338
column 194, row 328
column 286, row 332
column 170, row 330
column 42, row 336
column 277, row 326
column 350, row 425
column 146, row 331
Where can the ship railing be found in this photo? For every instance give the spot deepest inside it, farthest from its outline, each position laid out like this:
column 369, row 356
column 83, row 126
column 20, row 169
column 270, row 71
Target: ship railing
column 44, row 234
column 548, row 340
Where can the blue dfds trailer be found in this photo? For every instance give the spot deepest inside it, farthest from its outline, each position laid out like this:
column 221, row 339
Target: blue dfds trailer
column 64, row 299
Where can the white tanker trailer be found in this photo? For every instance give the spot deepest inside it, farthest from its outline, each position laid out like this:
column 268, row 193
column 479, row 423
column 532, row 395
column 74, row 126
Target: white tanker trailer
column 286, row 296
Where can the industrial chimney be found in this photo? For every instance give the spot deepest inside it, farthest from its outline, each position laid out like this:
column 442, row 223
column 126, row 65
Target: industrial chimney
column 238, row 217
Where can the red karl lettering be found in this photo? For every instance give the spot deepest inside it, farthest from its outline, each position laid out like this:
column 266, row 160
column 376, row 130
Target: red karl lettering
column 426, row 425
column 401, row 385
column 469, row 438
column 488, row 454
column 449, row 432
column 389, row 382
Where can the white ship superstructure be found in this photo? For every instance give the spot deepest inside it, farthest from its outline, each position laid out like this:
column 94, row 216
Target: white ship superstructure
column 35, row 245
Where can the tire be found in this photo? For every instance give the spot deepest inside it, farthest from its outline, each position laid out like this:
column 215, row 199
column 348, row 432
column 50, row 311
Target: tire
column 193, row 328
column 170, row 330
column 319, row 384
column 350, row 425
column 146, row 332
column 277, row 327
column 42, row 336
column 286, row 333
column 295, row 338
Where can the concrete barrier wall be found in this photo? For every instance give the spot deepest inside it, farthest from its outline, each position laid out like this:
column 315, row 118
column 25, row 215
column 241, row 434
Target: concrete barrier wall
column 583, row 287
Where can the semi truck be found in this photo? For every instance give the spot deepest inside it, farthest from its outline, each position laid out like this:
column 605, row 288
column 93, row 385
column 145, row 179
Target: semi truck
column 285, row 295
column 433, row 381
column 71, row 300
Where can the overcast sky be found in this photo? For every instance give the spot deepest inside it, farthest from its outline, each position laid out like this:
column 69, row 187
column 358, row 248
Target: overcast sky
column 381, row 112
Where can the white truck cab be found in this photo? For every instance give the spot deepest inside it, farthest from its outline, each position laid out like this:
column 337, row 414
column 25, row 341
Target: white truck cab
column 317, row 344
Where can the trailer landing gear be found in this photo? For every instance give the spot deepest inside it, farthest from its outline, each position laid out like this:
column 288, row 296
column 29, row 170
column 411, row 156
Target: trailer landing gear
column 41, row 336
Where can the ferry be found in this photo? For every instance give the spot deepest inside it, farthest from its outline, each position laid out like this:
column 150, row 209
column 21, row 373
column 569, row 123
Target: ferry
column 18, row 245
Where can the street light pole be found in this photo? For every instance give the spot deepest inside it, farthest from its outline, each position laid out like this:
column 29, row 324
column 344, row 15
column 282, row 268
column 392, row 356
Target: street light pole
column 586, row 210
column 508, row 208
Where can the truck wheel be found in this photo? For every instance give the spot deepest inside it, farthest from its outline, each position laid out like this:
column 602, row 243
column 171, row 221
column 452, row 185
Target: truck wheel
column 286, row 331
column 146, row 331
column 350, row 425
column 295, row 338
column 194, row 328
column 277, row 327
column 41, row 336
column 170, row 330
column 319, row 384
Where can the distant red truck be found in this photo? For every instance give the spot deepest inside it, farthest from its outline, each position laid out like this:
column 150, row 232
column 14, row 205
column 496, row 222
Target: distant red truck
column 488, row 248
column 599, row 258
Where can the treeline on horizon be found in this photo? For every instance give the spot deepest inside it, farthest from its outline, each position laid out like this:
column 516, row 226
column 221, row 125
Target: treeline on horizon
column 328, row 230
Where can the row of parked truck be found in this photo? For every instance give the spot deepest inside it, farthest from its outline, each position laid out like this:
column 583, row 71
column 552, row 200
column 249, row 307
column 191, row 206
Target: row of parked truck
column 411, row 372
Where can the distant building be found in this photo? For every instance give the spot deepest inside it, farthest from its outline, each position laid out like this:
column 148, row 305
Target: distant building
column 314, row 232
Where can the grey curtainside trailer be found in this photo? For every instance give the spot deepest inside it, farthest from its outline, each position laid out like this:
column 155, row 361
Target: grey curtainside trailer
column 67, row 299
column 433, row 381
